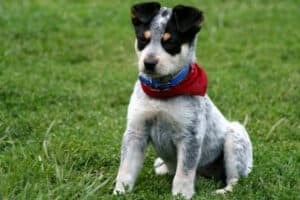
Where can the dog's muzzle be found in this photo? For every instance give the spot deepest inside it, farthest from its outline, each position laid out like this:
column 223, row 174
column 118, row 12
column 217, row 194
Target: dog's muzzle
column 150, row 63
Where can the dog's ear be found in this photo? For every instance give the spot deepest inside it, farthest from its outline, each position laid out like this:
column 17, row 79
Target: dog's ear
column 144, row 12
column 188, row 18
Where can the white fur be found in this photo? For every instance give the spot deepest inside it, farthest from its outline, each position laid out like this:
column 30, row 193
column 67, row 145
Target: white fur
column 160, row 167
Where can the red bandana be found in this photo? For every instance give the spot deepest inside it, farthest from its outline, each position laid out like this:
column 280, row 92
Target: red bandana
column 195, row 83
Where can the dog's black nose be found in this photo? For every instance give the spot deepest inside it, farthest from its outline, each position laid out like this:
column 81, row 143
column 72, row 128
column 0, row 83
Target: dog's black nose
column 150, row 63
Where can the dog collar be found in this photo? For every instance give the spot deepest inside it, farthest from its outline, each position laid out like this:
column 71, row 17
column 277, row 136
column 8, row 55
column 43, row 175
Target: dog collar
column 176, row 80
column 191, row 80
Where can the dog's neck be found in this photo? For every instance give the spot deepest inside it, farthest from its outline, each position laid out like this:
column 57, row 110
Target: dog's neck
column 191, row 80
column 166, row 82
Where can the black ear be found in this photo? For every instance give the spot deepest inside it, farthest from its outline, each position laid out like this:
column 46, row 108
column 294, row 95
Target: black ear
column 144, row 12
column 187, row 18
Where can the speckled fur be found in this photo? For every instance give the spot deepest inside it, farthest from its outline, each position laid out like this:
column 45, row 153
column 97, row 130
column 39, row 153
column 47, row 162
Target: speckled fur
column 189, row 133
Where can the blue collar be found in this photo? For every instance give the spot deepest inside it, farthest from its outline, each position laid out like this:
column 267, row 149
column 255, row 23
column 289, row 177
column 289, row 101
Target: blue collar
column 156, row 85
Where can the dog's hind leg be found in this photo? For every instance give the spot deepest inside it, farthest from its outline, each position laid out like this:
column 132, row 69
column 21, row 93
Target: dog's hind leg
column 237, row 155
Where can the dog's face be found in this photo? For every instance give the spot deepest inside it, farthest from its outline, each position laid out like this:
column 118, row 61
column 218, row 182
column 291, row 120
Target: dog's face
column 165, row 37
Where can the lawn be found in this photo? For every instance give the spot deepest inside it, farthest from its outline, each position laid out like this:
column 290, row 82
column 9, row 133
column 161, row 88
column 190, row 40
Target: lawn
column 67, row 70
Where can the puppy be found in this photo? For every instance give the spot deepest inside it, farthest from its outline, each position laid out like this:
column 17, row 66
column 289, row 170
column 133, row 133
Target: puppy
column 170, row 109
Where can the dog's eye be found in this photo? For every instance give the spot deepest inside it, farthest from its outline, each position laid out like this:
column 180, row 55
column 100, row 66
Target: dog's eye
column 170, row 44
column 143, row 39
column 169, row 41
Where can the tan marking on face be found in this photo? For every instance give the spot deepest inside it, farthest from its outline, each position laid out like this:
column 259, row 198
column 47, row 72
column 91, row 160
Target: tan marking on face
column 147, row 35
column 166, row 36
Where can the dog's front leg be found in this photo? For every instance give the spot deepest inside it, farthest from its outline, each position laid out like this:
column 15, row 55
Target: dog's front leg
column 133, row 151
column 188, row 154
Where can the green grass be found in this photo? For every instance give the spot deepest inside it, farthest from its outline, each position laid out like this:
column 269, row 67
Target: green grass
column 66, row 74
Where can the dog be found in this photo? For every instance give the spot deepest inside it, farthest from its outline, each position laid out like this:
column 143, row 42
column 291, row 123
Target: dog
column 170, row 109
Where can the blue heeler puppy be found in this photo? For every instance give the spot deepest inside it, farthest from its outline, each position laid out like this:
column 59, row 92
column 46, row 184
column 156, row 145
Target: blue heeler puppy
column 168, row 110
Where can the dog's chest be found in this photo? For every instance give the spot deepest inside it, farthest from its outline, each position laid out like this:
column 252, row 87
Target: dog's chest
column 177, row 113
column 163, row 136
column 165, row 120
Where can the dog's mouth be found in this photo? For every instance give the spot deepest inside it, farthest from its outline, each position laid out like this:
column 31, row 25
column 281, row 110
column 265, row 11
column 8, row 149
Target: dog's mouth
column 155, row 76
column 152, row 74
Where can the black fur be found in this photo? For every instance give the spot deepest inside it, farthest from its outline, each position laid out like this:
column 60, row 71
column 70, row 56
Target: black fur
column 183, row 26
column 142, row 14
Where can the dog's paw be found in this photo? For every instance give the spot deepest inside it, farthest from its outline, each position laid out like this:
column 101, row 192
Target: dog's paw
column 225, row 190
column 161, row 170
column 118, row 191
column 122, row 188
column 183, row 193
column 158, row 162
column 222, row 191
column 160, row 167
column 183, row 188
column 228, row 188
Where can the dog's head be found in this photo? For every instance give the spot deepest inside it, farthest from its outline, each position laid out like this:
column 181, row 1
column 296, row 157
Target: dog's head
column 165, row 37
